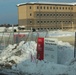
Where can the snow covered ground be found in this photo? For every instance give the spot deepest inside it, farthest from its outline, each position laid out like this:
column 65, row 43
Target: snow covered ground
column 21, row 60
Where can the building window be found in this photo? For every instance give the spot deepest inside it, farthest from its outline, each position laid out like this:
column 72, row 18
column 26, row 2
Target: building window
column 44, row 14
column 44, row 21
column 41, row 7
column 47, row 7
column 53, row 7
column 60, row 14
column 47, row 21
column 30, row 22
column 56, row 14
column 37, row 21
column 44, row 7
column 53, row 14
column 66, row 14
column 50, row 14
column 40, row 14
column 30, row 7
column 66, row 7
column 37, row 7
column 63, row 14
column 51, row 21
column 30, row 14
column 71, row 8
column 50, row 7
column 60, row 7
column 71, row 14
column 63, row 7
column 47, row 14
column 56, row 7
column 41, row 21
column 37, row 14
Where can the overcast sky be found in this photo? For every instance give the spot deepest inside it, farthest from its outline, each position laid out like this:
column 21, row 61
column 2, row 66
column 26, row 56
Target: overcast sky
column 8, row 9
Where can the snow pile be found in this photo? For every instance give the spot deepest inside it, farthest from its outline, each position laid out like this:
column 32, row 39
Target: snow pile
column 15, row 54
column 60, row 34
column 40, row 68
column 22, row 57
column 65, row 52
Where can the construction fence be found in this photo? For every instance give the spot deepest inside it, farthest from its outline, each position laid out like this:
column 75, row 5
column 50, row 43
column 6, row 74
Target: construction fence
column 15, row 38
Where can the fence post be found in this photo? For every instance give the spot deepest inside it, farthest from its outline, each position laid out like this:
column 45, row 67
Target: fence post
column 75, row 46
column 12, row 34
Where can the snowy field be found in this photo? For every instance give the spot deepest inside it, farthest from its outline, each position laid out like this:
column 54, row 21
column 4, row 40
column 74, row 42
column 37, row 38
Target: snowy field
column 20, row 59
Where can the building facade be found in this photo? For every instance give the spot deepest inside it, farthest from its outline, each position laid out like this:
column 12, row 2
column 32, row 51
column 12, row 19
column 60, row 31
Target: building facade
column 44, row 15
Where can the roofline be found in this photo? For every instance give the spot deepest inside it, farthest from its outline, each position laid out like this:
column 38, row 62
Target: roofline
column 52, row 3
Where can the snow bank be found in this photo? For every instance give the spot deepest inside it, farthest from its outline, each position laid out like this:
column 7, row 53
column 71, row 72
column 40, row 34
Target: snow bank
column 61, row 34
column 56, row 34
column 65, row 52
column 18, row 53
column 22, row 57
column 40, row 68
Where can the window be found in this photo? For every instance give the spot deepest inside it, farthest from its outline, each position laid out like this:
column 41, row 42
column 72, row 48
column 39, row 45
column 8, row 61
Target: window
column 56, row 7
column 41, row 7
column 53, row 7
column 71, row 14
column 47, row 7
column 51, row 21
column 40, row 14
column 66, row 14
column 30, row 22
column 63, row 14
column 30, row 7
column 44, row 7
column 37, row 7
column 66, row 21
column 30, row 14
column 41, row 21
column 47, row 21
column 63, row 7
column 66, row 7
column 44, row 21
column 37, row 21
column 56, row 14
column 72, row 8
column 60, row 14
column 53, row 14
column 44, row 14
column 50, row 14
column 37, row 14
column 50, row 7
column 60, row 7
column 69, row 8
column 47, row 14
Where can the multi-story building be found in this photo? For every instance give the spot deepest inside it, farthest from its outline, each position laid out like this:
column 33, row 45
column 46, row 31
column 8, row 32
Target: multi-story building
column 47, row 15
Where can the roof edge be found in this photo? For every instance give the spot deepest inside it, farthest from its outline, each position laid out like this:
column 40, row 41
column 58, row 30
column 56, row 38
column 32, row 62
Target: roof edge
column 60, row 3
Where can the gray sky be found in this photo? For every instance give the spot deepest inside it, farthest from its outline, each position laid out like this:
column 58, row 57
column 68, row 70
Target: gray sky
column 8, row 9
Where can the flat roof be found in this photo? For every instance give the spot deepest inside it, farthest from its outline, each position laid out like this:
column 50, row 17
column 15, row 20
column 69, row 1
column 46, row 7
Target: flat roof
column 53, row 3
